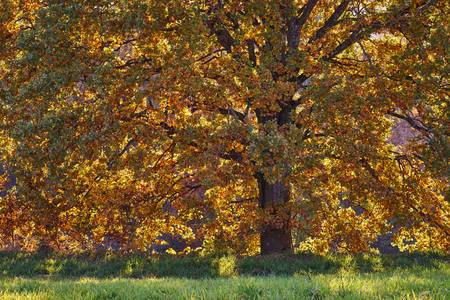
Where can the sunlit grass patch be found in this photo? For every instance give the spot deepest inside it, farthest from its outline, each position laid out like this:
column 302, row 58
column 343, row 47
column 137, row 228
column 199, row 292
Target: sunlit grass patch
column 418, row 284
column 225, row 277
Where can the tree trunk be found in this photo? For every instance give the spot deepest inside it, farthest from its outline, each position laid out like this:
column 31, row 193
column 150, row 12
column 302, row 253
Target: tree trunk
column 275, row 235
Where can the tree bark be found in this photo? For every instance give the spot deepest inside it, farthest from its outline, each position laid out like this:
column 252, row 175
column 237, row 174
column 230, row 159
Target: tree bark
column 275, row 236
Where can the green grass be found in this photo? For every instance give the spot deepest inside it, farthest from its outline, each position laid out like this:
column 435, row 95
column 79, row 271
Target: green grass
column 25, row 276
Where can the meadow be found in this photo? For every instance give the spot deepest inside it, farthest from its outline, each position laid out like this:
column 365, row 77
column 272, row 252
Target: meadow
column 305, row 276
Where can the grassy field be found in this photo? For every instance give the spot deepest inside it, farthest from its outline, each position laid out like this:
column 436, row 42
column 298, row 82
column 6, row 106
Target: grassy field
column 282, row 277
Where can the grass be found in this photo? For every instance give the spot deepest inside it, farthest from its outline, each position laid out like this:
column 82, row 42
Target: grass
column 24, row 276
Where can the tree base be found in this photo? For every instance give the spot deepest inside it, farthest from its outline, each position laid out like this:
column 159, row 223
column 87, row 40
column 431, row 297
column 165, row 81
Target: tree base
column 276, row 240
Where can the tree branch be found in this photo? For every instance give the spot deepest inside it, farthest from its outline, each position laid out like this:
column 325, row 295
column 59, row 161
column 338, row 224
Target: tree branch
column 222, row 34
column 411, row 121
column 306, row 12
column 331, row 22
column 251, row 52
column 231, row 155
column 363, row 31
column 232, row 112
column 296, row 24
column 390, row 190
column 355, row 36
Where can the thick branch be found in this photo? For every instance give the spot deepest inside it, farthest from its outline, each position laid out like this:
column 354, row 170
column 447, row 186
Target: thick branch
column 222, row 34
column 331, row 22
column 354, row 37
column 306, row 12
column 295, row 24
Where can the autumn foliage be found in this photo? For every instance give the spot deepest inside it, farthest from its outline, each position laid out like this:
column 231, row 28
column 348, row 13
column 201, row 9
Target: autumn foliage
column 225, row 125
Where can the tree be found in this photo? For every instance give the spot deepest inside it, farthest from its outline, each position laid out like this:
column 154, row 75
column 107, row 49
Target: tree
column 150, row 114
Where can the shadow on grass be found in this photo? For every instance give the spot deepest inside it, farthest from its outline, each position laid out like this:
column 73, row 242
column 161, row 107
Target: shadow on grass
column 136, row 266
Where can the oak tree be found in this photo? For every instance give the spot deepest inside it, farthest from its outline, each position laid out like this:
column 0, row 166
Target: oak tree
column 224, row 121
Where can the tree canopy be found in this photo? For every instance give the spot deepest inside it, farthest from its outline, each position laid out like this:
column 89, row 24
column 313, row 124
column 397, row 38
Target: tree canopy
column 232, row 125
